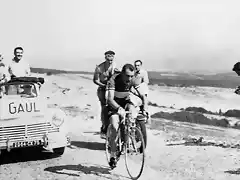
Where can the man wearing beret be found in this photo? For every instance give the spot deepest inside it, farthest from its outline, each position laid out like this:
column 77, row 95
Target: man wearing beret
column 102, row 74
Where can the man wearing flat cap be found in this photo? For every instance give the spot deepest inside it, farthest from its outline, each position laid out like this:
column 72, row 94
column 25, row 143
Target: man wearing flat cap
column 102, row 74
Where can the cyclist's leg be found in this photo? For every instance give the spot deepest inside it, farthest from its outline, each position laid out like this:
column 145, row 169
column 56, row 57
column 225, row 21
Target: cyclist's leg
column 114, row 121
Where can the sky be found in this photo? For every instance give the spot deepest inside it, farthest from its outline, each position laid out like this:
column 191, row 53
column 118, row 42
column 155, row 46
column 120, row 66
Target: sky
column 178, row 35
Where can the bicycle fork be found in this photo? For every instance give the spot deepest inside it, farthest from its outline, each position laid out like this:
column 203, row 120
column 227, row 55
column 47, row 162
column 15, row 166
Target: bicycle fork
column 132, row 134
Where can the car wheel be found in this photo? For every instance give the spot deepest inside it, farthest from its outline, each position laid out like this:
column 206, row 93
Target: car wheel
column 59, row 151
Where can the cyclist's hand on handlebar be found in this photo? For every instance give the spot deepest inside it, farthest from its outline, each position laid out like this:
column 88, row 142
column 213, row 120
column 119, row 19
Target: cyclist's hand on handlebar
column 121, row 112
column 145, row 113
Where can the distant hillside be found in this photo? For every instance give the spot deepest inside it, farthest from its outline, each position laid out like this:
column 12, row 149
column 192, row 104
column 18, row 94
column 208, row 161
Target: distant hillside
column 225, row 80
column 182, row 79
column 56, row 71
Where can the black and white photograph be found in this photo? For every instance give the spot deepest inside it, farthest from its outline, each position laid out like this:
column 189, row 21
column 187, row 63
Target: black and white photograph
column 119, row 90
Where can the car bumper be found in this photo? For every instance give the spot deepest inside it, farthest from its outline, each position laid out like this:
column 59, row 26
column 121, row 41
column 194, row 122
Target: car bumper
column 48, row 141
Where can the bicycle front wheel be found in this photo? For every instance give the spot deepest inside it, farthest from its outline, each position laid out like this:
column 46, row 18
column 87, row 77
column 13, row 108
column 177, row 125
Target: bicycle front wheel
column 134, row 154
column 107, row 142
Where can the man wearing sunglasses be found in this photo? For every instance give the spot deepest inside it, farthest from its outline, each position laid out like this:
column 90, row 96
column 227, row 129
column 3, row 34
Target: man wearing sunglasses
column 102, row 74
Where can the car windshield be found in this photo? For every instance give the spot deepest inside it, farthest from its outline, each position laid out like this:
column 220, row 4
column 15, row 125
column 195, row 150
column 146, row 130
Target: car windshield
column 24, row 89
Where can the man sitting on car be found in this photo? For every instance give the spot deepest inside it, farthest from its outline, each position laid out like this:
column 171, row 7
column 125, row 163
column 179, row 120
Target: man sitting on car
column 19, row 67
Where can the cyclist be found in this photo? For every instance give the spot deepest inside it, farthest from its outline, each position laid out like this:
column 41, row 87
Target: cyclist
column 119, row 89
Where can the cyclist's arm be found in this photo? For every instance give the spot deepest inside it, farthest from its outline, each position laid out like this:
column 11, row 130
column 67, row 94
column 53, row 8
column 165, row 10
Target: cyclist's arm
column 111, row 101
column 111, row 91
column 96, row 79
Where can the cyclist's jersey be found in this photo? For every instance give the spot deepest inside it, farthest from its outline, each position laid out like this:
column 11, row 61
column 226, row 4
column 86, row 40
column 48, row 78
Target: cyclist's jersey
column 122, row 89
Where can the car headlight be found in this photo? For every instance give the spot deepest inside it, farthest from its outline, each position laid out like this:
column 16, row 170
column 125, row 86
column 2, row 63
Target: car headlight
column 58, row 118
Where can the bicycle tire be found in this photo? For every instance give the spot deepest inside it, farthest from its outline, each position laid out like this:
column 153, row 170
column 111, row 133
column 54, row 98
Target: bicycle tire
column 142, row 126
column 127, row 150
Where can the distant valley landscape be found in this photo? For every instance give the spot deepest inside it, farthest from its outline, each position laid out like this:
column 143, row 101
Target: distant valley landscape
column 167, row 78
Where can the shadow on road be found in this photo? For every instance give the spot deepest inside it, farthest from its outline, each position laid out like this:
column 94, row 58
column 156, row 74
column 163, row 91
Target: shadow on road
column 95, row 133
column 77, row 170
column 89, row 145
column 25, row 155
column 236, row 172
column 80, row 169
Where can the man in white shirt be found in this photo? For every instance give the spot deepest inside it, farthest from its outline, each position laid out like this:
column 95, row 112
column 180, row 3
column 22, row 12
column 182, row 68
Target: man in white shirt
column 142, row 80
column 18, row 67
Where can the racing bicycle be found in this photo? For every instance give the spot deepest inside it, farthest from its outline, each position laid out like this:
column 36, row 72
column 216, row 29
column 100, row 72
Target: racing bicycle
column 129, row 142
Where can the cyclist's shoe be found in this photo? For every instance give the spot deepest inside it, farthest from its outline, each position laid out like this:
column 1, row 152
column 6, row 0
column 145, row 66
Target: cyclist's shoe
column 112, row 162
column 140, row 149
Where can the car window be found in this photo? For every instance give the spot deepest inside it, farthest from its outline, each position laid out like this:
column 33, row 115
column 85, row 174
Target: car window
column 20, row 89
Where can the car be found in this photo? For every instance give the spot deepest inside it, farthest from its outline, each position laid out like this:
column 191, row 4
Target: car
column 26, row 120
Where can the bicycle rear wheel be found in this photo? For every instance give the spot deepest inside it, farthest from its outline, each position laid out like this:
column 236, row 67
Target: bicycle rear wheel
column 134, row 154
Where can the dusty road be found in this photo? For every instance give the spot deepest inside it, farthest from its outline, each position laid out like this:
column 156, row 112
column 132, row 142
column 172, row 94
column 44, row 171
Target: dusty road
column 85, row 158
